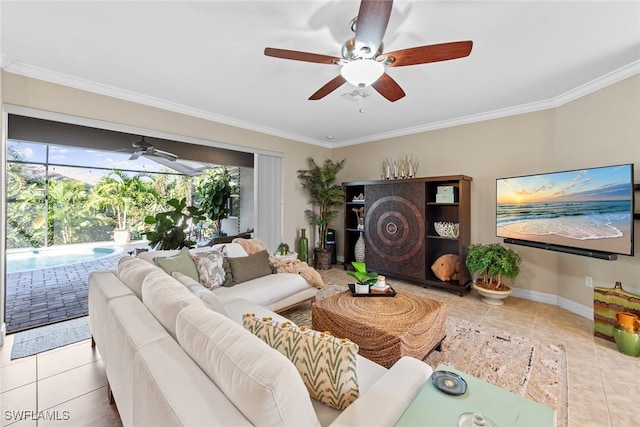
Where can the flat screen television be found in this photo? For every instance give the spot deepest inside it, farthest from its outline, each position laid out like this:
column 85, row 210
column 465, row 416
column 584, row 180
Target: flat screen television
column 586, row 211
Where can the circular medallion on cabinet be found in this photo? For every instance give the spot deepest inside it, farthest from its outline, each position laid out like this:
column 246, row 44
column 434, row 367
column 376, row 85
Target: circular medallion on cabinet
column 395, row 228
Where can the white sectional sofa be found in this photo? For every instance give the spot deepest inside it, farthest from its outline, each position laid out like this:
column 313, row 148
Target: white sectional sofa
column 178, row 355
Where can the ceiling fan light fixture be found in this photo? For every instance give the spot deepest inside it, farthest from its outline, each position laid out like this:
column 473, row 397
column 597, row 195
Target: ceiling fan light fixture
column 362, row 72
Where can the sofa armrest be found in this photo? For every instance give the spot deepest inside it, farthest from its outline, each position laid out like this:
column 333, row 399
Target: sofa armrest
column 387, row 399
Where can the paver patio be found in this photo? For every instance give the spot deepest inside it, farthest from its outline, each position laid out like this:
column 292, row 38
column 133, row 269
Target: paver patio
column 50, row 295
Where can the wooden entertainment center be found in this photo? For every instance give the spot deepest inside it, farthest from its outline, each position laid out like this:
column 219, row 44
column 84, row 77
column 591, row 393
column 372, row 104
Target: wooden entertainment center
column 398, row 230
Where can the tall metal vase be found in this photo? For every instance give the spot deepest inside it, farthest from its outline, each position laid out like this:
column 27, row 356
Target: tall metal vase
column 359, row 249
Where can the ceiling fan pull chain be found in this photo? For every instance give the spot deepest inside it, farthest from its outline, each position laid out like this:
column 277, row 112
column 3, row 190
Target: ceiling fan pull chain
column 361, row 99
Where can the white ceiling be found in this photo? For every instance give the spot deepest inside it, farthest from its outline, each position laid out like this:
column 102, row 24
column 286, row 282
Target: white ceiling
column 205, row 58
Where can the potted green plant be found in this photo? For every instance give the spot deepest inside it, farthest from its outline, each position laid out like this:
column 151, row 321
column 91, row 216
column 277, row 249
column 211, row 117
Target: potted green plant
column 214, row 190
column 170, row 226
column 319, row 181
column 494, row 263
column 364, row 278
column 282, row 249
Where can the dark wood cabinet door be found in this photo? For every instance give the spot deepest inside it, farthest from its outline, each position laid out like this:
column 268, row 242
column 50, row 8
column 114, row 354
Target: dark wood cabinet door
column 395, row 229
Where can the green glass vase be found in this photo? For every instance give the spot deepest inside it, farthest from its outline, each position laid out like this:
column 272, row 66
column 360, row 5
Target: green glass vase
column 303, row 246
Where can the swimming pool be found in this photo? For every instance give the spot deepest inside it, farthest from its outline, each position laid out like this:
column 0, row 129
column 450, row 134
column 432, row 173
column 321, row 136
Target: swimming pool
column 52, row 257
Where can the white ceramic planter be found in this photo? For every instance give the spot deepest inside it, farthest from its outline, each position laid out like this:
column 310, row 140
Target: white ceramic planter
column 361, row 289
column 492, row 297
column 121, row 237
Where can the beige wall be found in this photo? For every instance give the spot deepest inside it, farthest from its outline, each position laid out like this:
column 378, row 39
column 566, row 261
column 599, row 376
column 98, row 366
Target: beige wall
column 599, row 129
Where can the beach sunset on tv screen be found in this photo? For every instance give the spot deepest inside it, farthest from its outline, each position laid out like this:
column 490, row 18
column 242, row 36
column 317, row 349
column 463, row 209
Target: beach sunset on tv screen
column 588, row 209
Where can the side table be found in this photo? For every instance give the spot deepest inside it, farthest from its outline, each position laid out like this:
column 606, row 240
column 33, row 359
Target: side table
column 433, row 407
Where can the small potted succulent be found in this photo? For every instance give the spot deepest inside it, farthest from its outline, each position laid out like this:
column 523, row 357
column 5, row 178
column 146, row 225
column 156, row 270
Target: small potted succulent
column 364, row 279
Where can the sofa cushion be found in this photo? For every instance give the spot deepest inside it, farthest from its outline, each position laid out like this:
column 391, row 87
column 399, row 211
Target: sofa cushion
column 181, row 262
column 262, row 383
column 210, row 266
column 250, row 267
column 208, row 298
column 132, row 271
column 326, row 364
column 230, row 249
column 265, row 290
column 164, row 296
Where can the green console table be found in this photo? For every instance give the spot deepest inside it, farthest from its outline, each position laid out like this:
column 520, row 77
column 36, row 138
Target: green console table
column 434, row 408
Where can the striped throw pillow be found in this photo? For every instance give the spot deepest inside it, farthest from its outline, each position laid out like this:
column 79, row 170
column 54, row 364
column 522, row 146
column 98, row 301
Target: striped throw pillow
column 326, row 364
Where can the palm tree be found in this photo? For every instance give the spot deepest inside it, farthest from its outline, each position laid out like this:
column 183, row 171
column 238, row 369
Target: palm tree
column 124, row 194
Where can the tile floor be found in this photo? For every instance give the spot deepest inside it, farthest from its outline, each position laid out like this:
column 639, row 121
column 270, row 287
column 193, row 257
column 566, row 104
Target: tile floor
column 70, row 383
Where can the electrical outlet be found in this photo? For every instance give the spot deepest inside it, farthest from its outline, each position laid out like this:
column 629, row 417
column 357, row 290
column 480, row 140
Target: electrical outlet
column 588, row 281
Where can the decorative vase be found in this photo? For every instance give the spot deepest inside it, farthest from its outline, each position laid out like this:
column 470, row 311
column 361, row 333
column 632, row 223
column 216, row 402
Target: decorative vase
column 359, row 249
column 303, row 246
column 628, row 342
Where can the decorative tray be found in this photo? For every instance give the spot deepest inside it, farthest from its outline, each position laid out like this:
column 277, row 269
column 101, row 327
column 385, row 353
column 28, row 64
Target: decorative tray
column 392, row 292
column 449, row 382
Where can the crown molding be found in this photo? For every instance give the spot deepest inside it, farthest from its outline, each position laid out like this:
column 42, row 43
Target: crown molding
column 12, row 66
column 15, row 67
column 569, row 96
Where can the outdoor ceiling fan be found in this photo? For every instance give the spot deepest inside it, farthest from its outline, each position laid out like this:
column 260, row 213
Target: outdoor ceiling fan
column 164, row 158
column 363, row 60
column 144, row 148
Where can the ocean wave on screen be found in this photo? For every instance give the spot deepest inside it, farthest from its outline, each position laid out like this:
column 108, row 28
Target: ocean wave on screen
column 577, row 228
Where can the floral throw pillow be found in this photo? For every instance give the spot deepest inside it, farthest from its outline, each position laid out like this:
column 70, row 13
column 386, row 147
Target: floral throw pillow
column 326, row 364
column 210, row 268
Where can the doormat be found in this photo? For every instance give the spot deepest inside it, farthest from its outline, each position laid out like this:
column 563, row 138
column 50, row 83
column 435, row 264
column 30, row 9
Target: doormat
column 48, row 337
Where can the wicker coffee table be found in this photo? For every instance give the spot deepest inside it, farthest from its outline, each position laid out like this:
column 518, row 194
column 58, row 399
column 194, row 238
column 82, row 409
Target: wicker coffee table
column 385, row 328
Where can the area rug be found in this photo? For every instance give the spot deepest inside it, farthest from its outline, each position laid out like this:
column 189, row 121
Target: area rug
column 524, row 366
column 48, row 337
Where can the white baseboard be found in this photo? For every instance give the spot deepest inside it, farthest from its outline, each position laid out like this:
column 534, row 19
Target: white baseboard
column 574, row 307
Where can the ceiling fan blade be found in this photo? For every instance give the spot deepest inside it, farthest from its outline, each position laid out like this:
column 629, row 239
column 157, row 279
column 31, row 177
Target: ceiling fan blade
column 373, row 18
column 388, row 88
column 164, row 154
column 325, row 90
column 172, row 164
column 135, row 155
column 300, row 56
column 426, row 54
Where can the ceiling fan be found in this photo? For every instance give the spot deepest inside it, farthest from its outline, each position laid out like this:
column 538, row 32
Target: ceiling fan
column 144, row 148
column 363, row 60
column 170, row 160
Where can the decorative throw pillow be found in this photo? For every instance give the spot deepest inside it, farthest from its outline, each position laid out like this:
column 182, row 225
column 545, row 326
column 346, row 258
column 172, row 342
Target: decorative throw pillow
column 228, row 278
column 326, row 364
column 210, row 268
column 249, row 267
column 181, row 262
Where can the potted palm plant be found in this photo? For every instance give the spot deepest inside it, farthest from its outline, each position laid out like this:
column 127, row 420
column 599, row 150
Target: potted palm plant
column 494, row 263
column 319, row 181
column 122, row 194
